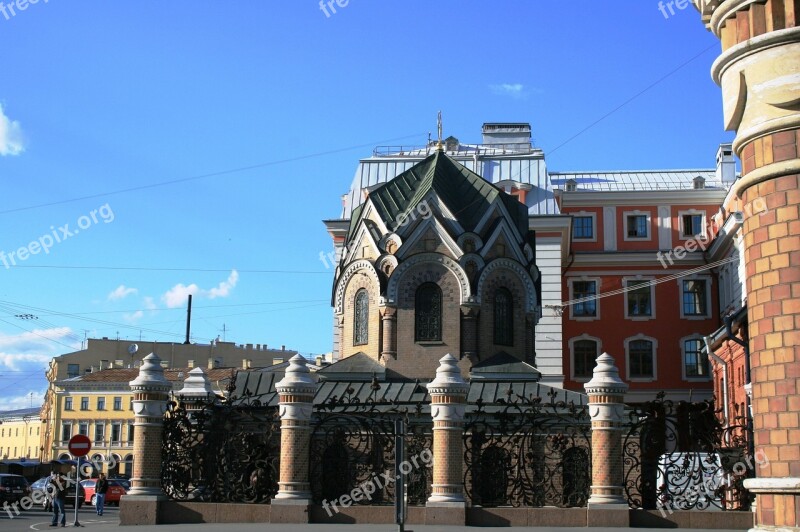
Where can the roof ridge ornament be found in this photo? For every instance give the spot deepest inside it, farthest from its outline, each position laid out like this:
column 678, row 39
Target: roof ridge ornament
column 439, row 144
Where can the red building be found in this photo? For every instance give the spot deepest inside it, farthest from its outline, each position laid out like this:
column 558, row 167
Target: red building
column 638, row 283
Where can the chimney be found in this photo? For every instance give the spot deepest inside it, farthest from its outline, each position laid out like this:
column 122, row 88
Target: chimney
column 210, row 363
column 508, row 133
column 726, row 164
column 190, row 364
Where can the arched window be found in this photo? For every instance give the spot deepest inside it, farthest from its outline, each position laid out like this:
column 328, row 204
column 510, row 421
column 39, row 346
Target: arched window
column 361, row 318
column 640, row 359
column 428, row 313
column 503, row 317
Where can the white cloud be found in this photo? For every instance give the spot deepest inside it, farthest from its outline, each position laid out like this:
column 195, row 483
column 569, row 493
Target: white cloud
column 515, row 90
column 149, row 304
column 23, row 361
column 10, row 135
column 178, row 294
column 121, row 292
column 225, row 287
column 18, row 402
column 134, row 316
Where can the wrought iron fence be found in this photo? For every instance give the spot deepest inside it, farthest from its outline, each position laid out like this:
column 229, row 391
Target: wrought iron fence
column 526, row 451
column 352, row 444
column 221, row 451
column 678, row 456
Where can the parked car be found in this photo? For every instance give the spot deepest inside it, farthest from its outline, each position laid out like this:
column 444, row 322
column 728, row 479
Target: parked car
column 13, row 488
column 39, row 487
column 115, row 491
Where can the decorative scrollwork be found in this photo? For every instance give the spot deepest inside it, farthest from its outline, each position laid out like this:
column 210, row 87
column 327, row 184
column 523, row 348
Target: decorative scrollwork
column 352, row 444
column 678, row 456
column 221, row 452
column 523, row 451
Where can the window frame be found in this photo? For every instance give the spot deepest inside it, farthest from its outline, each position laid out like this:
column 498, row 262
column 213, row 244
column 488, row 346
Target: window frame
column 117, row 404
column 101, row 403
column 508, row 327
column 585, row 214
column 572, row 341
column 654, row 355
column 652, row 287
column 435, row 339
column 648, row 226
column 84, row 404
column 573, row 296
column 68, row 404
column 682, row 291
column 361, row 295
column 702, row 235
column 701, row 353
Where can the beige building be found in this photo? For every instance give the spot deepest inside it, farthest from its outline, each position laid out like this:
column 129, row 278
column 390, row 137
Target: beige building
column 100, row 405
column 20, row 433
column 73, row 372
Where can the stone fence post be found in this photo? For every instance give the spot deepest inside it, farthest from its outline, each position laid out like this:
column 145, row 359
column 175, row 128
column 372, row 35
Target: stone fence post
column 197, row 390
column 150, row 396
column 296, row 391
column 448, row 391
column 607, row 504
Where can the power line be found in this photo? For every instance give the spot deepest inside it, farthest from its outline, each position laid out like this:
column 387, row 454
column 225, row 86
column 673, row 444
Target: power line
column 647, row 284
column 146, row 269
column 204, row 176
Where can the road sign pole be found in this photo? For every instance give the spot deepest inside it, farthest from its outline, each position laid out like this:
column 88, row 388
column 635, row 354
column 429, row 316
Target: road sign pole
column 77, row 489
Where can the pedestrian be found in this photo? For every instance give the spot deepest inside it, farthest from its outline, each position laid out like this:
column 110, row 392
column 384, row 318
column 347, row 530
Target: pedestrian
column 56, row 487
column 100, row 490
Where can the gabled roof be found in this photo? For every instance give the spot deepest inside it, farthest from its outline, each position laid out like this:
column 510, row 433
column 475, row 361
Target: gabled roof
column 505, row 367
column 359, row 366
column 464, row 192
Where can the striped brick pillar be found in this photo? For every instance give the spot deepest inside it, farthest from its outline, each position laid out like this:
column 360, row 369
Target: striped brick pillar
column 607, row 504
column 150, row 396
column 296, row 391
column 448, row 391
column 758, row 71
column 389, row 320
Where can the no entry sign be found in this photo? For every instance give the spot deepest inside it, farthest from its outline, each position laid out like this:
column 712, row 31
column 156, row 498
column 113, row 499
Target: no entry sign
column 79, row 445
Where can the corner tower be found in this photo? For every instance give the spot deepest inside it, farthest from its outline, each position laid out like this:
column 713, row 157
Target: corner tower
column 758, row 71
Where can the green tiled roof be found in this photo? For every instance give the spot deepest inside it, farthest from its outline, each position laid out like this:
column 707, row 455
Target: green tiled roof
column 464, row 192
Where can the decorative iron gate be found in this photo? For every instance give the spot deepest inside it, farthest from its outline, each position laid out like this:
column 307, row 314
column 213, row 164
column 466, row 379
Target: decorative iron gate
column 679, row 457
column 525, row 451
column 221, row 451
column 352, row 444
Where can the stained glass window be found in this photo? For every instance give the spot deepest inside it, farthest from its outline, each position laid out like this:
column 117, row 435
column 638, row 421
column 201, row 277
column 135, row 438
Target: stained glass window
column 361, row 318
column 428, row 313
column 503, row 317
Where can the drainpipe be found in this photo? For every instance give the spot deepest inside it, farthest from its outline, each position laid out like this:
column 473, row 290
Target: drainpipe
column 748, row 407
column 712, row 355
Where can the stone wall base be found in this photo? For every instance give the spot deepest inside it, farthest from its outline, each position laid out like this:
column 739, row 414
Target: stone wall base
column 157, row 510
column 140, row 509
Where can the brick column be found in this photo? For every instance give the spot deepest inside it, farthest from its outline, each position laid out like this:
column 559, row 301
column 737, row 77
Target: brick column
column 757, row 71
column 469, row 331
column 389, row 320
column 448, row 391
column 150, row 397
column 296, row 391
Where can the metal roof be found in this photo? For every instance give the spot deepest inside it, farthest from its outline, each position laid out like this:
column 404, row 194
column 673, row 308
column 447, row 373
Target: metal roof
column 495, row 163
column 644, row 180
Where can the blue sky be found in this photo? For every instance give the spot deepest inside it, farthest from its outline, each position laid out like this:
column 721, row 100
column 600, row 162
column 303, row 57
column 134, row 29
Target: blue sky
column 210, row 139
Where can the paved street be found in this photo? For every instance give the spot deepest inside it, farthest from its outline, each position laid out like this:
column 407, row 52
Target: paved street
column 38, row 520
